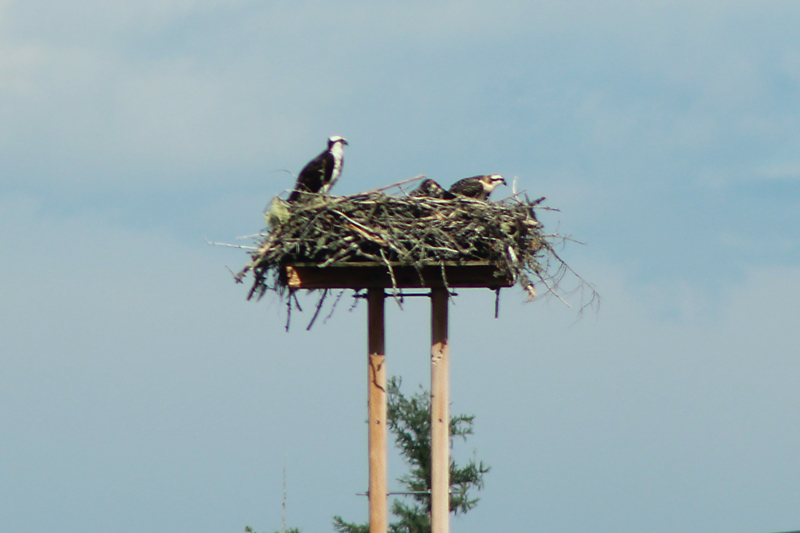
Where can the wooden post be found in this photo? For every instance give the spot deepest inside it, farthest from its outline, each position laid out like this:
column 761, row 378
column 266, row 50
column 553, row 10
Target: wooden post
column 440, row 413
column 376, row 371
column 376, row 277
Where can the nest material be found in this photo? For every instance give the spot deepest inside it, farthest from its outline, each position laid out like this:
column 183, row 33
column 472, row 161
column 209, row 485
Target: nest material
column 393, row 230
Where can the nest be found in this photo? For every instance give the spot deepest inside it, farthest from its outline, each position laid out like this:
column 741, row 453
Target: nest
column 405, row 230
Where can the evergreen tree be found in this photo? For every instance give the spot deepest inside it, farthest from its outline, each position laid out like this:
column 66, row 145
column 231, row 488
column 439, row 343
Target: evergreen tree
column 410, row 421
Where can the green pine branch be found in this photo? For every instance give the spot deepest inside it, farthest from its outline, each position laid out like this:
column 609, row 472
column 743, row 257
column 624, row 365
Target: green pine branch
column 409, row 420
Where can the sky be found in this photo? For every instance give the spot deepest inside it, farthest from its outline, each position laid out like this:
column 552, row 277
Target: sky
column 140, row 391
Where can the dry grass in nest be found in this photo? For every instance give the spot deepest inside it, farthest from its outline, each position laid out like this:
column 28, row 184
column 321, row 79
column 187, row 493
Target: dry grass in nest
column 411, row 231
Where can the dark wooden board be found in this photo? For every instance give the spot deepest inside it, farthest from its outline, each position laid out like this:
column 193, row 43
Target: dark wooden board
column 375, row 275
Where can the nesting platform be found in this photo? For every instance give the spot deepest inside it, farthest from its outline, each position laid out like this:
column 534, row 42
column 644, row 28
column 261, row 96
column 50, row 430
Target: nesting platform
column 374, row 240
column 369, row 275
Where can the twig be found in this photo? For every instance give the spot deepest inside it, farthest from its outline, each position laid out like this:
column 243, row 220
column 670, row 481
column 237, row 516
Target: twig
column 226, row 245
column 409, row 180
column 554, row 293
column 333, row 307
column 288, row 313
column 319, row 306
column 293, row 294
column 444, row 278
column 394, row 281
column 356, row 298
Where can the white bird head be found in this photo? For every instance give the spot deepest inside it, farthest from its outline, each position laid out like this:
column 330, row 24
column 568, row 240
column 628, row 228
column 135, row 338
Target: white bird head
column 332, row 140
column 492, row 181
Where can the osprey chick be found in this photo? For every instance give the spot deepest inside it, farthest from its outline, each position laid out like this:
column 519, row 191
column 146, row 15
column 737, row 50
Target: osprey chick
column 321, row 173
column 479, row 187
column 431, row 189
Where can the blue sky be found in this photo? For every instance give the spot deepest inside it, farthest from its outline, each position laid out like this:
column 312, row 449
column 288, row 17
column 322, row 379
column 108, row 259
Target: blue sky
column 139, row 391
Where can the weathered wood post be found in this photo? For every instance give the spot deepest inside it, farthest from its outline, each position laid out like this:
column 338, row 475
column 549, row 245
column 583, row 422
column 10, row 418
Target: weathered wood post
column 375, row 278
column 376, row 372
column 440, row 413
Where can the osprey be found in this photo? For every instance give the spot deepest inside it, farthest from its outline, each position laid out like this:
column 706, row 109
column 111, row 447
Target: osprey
column 319, row 175
column 431, row 189
column 479, row 187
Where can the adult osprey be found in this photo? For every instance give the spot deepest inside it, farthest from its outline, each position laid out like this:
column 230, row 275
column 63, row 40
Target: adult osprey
column 479, row 187
column 319, row 175
column 431, row 189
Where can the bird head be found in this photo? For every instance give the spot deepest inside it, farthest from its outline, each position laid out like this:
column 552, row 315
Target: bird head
column 336, row 139
column 492, row 181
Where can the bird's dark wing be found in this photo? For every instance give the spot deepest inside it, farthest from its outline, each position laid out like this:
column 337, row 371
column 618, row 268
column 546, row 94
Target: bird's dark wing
column 471, row 187
column 313, row 176
column 431, row 189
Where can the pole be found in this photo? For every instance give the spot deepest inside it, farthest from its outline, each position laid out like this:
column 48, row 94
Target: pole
column 376, row 371
column 440, row 413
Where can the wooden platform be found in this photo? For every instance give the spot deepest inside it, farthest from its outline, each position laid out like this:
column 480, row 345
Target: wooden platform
column 377, row 275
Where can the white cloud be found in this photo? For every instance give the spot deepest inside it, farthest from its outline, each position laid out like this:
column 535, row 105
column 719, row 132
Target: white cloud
column 116, row 91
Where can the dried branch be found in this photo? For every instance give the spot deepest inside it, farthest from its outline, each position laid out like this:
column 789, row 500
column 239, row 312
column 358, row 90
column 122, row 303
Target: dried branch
column 227, row 245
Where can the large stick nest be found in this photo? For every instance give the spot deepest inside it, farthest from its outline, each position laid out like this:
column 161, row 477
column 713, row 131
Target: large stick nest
column 405, row 230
